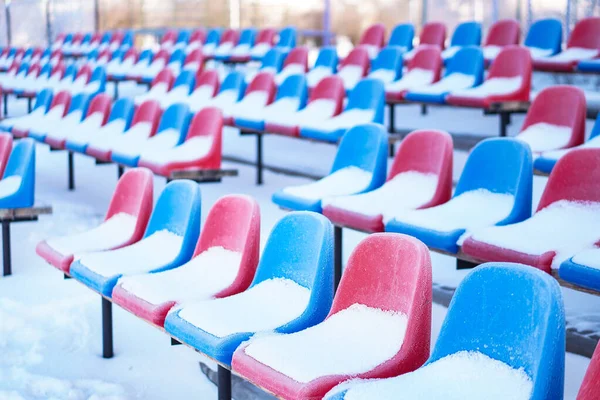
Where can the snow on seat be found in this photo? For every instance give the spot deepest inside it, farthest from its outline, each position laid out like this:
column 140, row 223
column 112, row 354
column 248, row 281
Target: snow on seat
column 60, row 81
column 229, row 39
column 40, row 108
column 259, row 93
column 544, row 38
column 359, row 166
column 77, row 111
column 264, row 42
column 494, row 189
column 372, row 331
column 365, row 104
column 25, row 73
column 197, row 38
column 207, row 86
column 466, row 34
column 402, row 36
column 423, row 69
column 193, row 62
column 144, row 124
column 147, row 70
column 13, row 72
column 171, row 131
column 420, row 177
column 464, row 70
column 373, row 39
column 168, row 242
column 509, row 79
column 159, row 87
column 213, row 37
column 17, row 187
column 241, row 51
column 387, row 66
column 168, row 39
column 271, row 63
column 295, row 63
column 354, row 67
column 555, row 120
column 433, row 34
column 182, row 88
column 583, row 44
column 502, row 33
column 58, row 108
column 223, row 264
column 287, row 39
column 74, row 83
column 118, row 122
column 117, row 69
column 231, row 91
column 325, row 66
column 28, row 87
column 124, row 223
column 503, row 338
column 292, row 290
column 583, row 269
column 567, row 219
column 144, row 62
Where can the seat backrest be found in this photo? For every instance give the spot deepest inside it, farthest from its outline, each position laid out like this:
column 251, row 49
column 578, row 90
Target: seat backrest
column 178, row 56
column 165, row 76
column 43, row 100
column 146, row 55
column 198, row 35
column 118, row 55
column 133, row 196
column 84, row 73
column 99, row 75
column 433, row 33
column 195, row 59
column 131, row 53
column 402, row 36
column 62, row 99
column 331, row 88
column 368, row 94
column 186, row 78
column 21, row 162
column 327, row 58
column 234, row 81
column 514, row 314
column 106, row 38
column 230, row 36
column 213, row 36
column 23, row 68
column 429, row 58
column 263, row 82
column 273, row 59
column 100, row 104
column 294, row 86
column 545, row 34
column 466, row 34
column 503, row 33
column 501, row 165
column 163, row 55
column 6, row 145
column 266, row 35
column 80, row 102
column 183, row 36
column 586, row 34
column 149, row 111
column 512, row 61
column 287, row 37
column 298, row 55
column 176, row 116
column 169, row 37
column 358, row 56
column 389, row 58
column 208, row 122
column 373, row 36
column 123, row 108
column 86, row 38
column 591, row 381
column 209, row 77
column 469, row 61
column 247, row 36
column 70, row 72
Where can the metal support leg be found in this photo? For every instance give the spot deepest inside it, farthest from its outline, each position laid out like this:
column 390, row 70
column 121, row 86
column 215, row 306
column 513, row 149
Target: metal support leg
column 65, row 276
column 29, row 104
column 392, row 128
column 5, row 101
column 107, row 330
column 120, row 171
column 463, row 264
column 6, row 248
column 504, row 121
column 423, row 109
column 71, row 172
column 224, row 382
column 337, row 257
column 116, row 90
column 259, row 159
column 175, row 342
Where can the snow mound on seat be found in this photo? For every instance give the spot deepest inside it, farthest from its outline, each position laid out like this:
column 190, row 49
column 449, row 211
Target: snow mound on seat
column 114, row 127
column 241, row 50
column 190, row 150
column 450, row 52
column 460, row 376
column 384, row 75
column 280, row 112
column 289, row 70
column 572, row 54
column 317, row 74
column 469, row 211
column 345, row 120
column 314, row 114
column 408, row 190
column 259, row 50
column 543, row 137
column 350, row 342
column 200, row 95
column 538, row 53
column 492, row 87
column 414, row 78
column 162, row 141
column 10, row 185
column 154, row 251
column 156, row 92
column 564, row 227
column 490, row 52
column 132, row 138
column 348, row 180
column 75, row 127
column 224, row 101
column 452, row 82
column 589, row 258
column 251, row 106
column 350, row 75
column 113, row 232
column 266, row 306
column 205, row 275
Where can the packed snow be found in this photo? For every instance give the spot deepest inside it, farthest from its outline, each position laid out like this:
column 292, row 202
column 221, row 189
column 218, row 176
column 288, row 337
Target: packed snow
column 384, row 75
column 350, row 75
column 164, row 140
column 345, row 120
column 544, row 137
column 224, row 49
column 114, row 127
column 460, row 376
column 572, row 54
column 251, row 105
column 413, row 79
column 450, row 52
column 130, row 138
column 407, row 190
column 279, row 112
column 314, row 114
column 223, row 101
column 201, row 278
column 538, row 53
column 152, row 252
column 450, row 83
column 492, row 87
column 350, row 342
column 156, row 92
column 192, row 149
column 490, row 52
column 344, row 181
column 200, row 95
column 589, row 258
column 565, row 227
column 259, row 50
column 289, row 70
column 72, row 128
column 10, row 185
column 317, row 74
column 265, row 306
column 593, row 143
column 176, row 95
column 241, row 50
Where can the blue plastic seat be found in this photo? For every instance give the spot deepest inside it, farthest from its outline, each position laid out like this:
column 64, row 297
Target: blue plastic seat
column 183, row 37
column 402, row 36
column 511, row 313
column 364, row 147
column 176, row 117
column 185, row 80
column 328, row 58
column 80, row 103
column 368, row 94
column 387, row 66
column 576, row 271
column 287, row 39
column 128, row 40
column 21, row 163
column 499, row 166
column 300, row 249
column 247, row 37
column 98, row 78
column 44, row 74
column 466, row 34
column 545, row 34
column 177, row 210
column 41, row 106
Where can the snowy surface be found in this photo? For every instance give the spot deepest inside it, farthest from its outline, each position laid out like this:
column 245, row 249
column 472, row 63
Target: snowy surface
column 589, row 258
column 280, row 112
column 557, row 154
column 314, row 114
column 289, row 70
column 492, row 87
column 544, row 137
column 113, row 232
column 190, row 150
column 565, row 227
column 538, row 53
column 460, row 376
column 154, row 251
column 407, row 190
column 350, row 342
column 135, row 146
column 345, row 120
column 223, row 101
column 259, row 50
column 132, row 137
column 572, row 54
column 156, row 92
column 53, row 115
column 90, row 124
column 490, row 52
column 384, row 75
column 348, row 180
column 350, row 75
column 176, row 95
column 111, row 129
column 241, row 50
column 60, row 128
column 250, row 105
column 450, row 52
column 200, row 95
column 413, row 79
column 201, row 278
column 9, row 186
column 264, row 307
column 317, row 74
column 452, row 82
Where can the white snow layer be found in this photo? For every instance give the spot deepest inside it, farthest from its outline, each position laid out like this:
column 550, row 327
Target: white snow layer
column 345, row 181
column 251, row 105
column 450, row 52
column 413, row 79
column 593, row 143
column 450, row 83
column 345, row 120
column 114, row 127
column 384, row 75
column 10, row 185
column 492, row 87
column 135, row 146
column 490, row 52
column 190, row 150
column 266, row 306
column 134, row 135
column 350, row 75
column 538, row 53
column 350, row 342
column 544, row 137
column 317, row 74
column 589, row 258
column 314, row 114
column 289, row 70
column 259, row 50
column 572, row 54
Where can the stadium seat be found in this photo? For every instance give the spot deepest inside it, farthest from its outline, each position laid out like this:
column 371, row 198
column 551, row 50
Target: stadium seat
column 503, row 337
column 182, row 88
column 101, row 59
column 264, row 42
column 182, row 40
column 223, row 264
column 591, row 384
column 583, row 44
column 354, row 67
column 402, row 36
column 213, row 37
column 158, row 63
column 15, row 73
column 26, row 75
column 465, row 34
column 77, row 111
column 325, row 65
column 124, row 223
column 17, row 187
column 359, row 166
column 271, row 63
column 387, row 65
column 259, row 93
column 280, row 298
column 502, row 33
column 175, row 64
column 509, row 79
column 60, row 39
column 74, row 81
column 104, row 41
column 197, row 38
column 68, row 46
column 423, row 69
column 7, row 59
column 59, row 107
column 40, row 108
column 295, row 63
column 95, row 84
column 6, row 145
column 207, row 87
column 373, row 39
column 241, row 52
column 544, row 38
column 91, row 45
column 287, row 39
column 49, row 76
column 66, row 79
column 495, row 188
column 119, row 69
column 231, row 91
column 229, row 39
column 160, row 86
column 566, row 220
column 420, row 177
column 167, row 41
column 143, row 63
column 432, row 33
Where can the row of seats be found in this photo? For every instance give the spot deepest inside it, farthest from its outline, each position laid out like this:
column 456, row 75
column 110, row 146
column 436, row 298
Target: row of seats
column 81, row 44
column 208, row 288
column 10, row 56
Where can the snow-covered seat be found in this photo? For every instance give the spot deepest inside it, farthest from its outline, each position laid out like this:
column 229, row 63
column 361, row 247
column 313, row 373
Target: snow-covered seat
column 77, row 111
column 74, row 82
column 241, row 51
column 182, row 88
column 40, row 108
column 465, row 34
column 197, row 38
column 76, row 48
column 495, row 188
column 373, row 39
column 124, row 223
column 281, row 298
column 194, row 62
column 423, row 69
column 62, row 80
column 555, row 120
column 296, row 63
column 143, row 63
column 583, row 270
column 27, row 87
column 146, row 71
column 50, row 57
column 68, row 45
column 272, row 63
column 354, row 67
column 213, row 37
column 7, row 58
column 89, row 45
column 231, row 91
column 287, row 39
column 259, row 93
column 264, row 42
column 223, row 264
column 420, row 177
column 160, row 86
column 583, row 44
column 183, row 38
column 464, row 70
column 207, row 86
column 365, row 104
column 58, row 109
column 433, row 34
column 171, row 131
column 96, row 83
column 567, row 219
column 101, row 59
column 387, row 66
column 509, row 79
column 25, row 73
column 12, row 73
column 59, row 40
column 17, row 187
column 168, row 242
column 167, row 41
column 325, row 65
column 544, row 38
column 174, row 64
column 505, row 32
column 359, row 166
column 229, row 39
column 503, row 338
column 372, row 331
column 120, row 63
column 402, row 36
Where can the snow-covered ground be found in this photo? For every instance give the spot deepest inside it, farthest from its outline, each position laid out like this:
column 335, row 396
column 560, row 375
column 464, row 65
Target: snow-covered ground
column 50, row 332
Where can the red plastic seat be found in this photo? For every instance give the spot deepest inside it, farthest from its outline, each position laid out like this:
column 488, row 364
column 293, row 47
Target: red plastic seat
column 168, row 39
column 426, row 57
column 194, row 61
column 386, row 271
column 209, row 77
column 373, row 39
column 503, row 33
column 358, row 57
column 6, row 143
column 61, row 99
column 433, row 33
column 297, row 56
column 233, row 223
column 424, row 151
column 262, row 82
column 590, row 387
column 103, row 57
column 166, row 77
column 84, row 74
column 133, row 196
column 198, row 35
